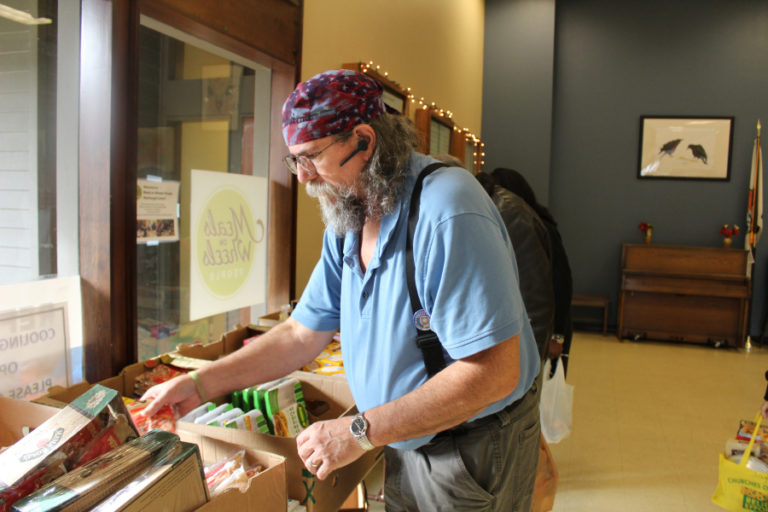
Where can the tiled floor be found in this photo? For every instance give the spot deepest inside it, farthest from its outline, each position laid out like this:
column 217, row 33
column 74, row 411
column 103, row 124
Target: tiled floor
column 650, row 420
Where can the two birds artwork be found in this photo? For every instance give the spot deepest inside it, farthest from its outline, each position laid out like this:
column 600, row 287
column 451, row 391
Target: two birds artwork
column 697, row 150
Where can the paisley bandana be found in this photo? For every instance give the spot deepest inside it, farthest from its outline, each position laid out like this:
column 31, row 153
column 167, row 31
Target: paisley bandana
column 329, row 103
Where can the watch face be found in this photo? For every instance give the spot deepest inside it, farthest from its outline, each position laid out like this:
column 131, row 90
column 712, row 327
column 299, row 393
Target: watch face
column 358, row 426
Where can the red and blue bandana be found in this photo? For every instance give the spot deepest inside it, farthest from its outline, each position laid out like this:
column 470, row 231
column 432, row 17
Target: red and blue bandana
column 329, row 103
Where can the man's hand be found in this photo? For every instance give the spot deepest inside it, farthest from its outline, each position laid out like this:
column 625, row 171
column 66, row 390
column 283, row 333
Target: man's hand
column 180, row 391
column 328, row 445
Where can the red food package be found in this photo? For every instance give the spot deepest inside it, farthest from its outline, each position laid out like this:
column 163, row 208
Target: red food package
column 111, row 437
column 34, row 481
column 164, row 419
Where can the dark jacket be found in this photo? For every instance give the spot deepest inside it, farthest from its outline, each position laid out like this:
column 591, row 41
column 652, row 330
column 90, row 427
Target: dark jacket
column 530, row 240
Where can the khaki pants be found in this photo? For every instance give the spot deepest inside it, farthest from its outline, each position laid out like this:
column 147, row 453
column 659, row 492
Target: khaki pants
column 490, row 467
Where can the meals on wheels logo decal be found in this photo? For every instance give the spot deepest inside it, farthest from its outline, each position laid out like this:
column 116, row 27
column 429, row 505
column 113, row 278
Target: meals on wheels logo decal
column 228, row 242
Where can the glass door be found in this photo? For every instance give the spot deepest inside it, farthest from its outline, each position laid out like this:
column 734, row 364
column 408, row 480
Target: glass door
column 202, row 191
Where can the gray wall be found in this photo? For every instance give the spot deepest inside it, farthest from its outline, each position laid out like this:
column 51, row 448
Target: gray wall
column 614, row 62
column 517, row 88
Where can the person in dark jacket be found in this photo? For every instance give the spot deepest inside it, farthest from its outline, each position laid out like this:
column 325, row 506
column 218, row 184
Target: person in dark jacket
column 562, row 280
column 530, row 241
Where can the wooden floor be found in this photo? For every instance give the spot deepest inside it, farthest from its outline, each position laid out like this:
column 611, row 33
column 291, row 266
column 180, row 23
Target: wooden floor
column 650, row 420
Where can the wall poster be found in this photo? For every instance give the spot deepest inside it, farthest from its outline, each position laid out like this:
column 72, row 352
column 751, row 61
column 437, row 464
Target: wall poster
column 157, row 211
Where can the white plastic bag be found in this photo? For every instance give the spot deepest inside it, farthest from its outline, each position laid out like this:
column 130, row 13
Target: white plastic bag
column 556, row 404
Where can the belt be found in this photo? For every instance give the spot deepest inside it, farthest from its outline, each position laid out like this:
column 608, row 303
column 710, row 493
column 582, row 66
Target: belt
column 466, row 427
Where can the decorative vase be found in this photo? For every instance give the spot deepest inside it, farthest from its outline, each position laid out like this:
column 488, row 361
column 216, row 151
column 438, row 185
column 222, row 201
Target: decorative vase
column 647, row 235
column 727, row 242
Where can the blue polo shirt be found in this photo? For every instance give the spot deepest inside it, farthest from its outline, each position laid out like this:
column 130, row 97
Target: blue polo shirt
column 466, row 278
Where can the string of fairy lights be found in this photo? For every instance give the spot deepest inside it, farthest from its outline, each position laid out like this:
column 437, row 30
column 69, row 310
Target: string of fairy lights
column 479, row 146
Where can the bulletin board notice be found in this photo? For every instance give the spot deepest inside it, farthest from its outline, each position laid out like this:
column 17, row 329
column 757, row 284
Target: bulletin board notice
column 33, row 351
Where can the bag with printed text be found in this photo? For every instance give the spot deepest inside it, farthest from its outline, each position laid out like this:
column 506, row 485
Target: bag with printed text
column 740, row 487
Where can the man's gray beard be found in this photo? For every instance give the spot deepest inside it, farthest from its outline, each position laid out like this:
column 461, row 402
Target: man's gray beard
column 342, row 209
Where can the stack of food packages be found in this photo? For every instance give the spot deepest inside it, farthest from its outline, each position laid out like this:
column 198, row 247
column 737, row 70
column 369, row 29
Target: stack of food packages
column 329, row 361
column 277, row 407
column 736, row 446
column 93, row 425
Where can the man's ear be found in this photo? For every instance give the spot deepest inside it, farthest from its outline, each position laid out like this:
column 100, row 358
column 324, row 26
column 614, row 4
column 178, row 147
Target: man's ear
column 366, row 142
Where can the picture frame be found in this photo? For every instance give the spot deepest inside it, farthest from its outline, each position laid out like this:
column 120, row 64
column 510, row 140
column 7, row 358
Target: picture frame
column 685, row 148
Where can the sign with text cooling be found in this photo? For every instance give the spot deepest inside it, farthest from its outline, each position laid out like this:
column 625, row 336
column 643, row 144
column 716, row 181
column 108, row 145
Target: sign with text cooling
column 33, row 351
column 228, row 242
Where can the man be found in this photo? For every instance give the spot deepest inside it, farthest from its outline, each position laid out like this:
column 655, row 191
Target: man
column 361, row 165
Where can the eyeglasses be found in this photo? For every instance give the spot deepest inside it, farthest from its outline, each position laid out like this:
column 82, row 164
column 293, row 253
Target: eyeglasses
column 306, row 161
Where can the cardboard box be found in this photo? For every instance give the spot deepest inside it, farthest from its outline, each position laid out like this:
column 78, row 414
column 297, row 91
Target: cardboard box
column 18, row 417
column 97, row 405
column 316, row 495
column 266, row 491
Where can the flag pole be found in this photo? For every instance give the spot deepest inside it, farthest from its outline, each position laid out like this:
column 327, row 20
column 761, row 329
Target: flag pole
column 753, row 191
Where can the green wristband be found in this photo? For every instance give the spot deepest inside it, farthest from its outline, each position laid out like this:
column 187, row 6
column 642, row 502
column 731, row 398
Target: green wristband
column 198, row 386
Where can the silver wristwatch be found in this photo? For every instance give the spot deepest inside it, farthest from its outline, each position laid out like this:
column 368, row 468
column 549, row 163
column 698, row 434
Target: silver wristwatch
column 359, row 429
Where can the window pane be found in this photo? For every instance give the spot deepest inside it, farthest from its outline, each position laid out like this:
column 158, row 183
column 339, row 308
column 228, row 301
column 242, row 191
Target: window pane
column 32, row 230
column 203, row 149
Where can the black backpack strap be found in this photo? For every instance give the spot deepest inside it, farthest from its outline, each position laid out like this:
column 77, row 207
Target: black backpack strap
column 426, row 339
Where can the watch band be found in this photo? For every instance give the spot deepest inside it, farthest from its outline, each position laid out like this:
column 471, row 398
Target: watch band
column 361, row 433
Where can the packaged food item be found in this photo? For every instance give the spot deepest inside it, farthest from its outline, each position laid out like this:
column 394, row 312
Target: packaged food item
column 329, row 361
column 210, row 415
column 85, row 487
column 226, row 415
column 230, row 472
column 195, row 413
column 286, row 408
column 174, row 481
column 156, row 372
column 178, row 361
column 253, row 421
column 738, row 447
column 290, row 421
column 746, row 428
column 164, row 419
column 108, row 439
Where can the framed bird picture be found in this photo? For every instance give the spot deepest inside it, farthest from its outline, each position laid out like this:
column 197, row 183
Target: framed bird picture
column 697, row 148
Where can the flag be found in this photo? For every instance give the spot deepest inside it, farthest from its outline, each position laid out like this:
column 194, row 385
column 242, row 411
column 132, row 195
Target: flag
column 755, row 200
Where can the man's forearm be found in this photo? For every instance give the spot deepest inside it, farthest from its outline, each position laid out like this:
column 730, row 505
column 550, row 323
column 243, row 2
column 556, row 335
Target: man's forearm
column 284, row 348
column 451, row 397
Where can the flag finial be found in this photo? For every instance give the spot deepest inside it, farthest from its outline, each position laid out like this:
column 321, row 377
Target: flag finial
column 758, row 127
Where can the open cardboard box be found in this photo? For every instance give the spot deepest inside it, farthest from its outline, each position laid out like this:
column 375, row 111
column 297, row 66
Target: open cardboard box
column 316, row 495
column 19, row 416
column 266, row 491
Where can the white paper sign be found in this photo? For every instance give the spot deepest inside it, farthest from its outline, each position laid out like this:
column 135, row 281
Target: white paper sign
column 157, row 211
column 228, row 242
column 33, row 351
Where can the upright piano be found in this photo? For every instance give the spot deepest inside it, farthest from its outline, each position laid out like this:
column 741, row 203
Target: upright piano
column 679, row 293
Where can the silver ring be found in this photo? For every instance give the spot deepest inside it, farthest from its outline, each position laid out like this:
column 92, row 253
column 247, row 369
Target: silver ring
column 315, row 465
